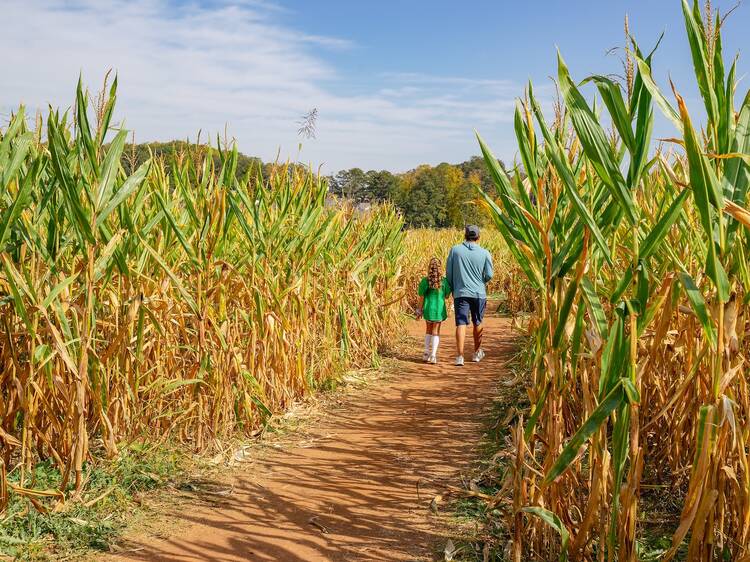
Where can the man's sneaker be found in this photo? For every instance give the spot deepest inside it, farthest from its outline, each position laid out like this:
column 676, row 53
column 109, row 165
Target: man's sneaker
column 432, row 360
column 460, row 361
column 478, row 356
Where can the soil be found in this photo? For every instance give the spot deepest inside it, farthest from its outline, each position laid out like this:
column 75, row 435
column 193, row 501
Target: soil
column 360, row 484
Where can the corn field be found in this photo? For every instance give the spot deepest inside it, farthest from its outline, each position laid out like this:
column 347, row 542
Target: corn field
column 176, row 302
column 639, row 265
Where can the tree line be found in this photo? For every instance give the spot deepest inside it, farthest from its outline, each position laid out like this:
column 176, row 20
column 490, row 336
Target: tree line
column 441, row 196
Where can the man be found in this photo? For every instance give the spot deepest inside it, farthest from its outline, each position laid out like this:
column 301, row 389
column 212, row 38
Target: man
column 468, row 270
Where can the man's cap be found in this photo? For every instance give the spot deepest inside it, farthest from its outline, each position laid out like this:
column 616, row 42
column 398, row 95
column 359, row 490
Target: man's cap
column 472, row 231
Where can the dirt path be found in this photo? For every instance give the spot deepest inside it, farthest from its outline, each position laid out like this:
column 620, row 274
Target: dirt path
column 360, row 488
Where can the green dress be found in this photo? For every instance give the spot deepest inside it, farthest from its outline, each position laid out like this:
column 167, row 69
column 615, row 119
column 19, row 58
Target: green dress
column 434, row 300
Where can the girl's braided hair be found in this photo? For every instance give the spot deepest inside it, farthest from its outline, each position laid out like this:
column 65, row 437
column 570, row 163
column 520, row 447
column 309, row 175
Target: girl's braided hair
column 435, row 273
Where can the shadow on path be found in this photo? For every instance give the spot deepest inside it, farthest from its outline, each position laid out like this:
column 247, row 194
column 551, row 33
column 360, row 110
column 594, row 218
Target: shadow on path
column 361, row 489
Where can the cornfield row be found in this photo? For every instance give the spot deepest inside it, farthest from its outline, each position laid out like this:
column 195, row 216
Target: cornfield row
column 174, row 302
column 639, row 264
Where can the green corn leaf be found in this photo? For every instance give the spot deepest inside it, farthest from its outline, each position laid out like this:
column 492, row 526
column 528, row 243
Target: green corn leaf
column 526, row 147
column 614, row 357
column 736, row 176
column 698, row 49
column 642, row 289
column 570, row 295
column 101, row 265
column 11, row 214
column 591, row 425
column 134, row 181
column 83, row 129
column 175, row 384
column 577, row 339
column 654, row 239
column 530, row 235
column 175, row 227
column 12, row 278
column 15, row 127
column 705, row 414
column 596, row 312
column 58, row 150
column 594, row 141
column 18, row 155
column 109, row 109
column 57, row 289
column 643, row 129
column 620, row 442
column 171, row 274
column 631, row 392
column 556, row 155
column 556, row 523
column 622, row 286
column 110, row 167
column 538, row 407
column 698, row 304
column 612, row 98
column 708, row 199
column 670, row 113
column 530, row 270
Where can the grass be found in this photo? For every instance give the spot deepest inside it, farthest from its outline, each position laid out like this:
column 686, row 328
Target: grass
column 113, row 490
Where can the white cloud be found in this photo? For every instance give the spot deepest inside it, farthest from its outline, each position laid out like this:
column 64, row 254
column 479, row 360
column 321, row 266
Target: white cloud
column 189, row 66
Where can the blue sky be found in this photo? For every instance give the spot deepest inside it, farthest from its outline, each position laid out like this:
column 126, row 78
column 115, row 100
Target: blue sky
column 396, row 84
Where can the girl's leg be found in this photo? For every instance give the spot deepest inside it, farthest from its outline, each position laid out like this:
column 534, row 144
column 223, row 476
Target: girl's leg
column 427, row 339
column 435, row 341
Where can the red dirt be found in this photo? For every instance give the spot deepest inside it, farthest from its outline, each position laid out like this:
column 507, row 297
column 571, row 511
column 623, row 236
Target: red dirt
column 362, row 490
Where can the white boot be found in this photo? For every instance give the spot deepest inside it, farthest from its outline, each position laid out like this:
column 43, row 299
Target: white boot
column 433, row 354
column 427, row 347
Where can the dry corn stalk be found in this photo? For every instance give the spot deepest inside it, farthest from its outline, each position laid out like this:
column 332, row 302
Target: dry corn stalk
column 639, row 268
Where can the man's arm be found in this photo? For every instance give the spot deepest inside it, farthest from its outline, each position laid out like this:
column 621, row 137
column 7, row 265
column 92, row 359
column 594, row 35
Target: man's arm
column 488, row 269
column 449, row 268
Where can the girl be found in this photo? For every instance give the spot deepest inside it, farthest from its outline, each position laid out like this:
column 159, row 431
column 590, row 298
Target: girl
column 433, row 289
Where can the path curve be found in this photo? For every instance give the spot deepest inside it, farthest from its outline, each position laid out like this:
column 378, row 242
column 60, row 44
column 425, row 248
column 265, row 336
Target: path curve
column 362, row 490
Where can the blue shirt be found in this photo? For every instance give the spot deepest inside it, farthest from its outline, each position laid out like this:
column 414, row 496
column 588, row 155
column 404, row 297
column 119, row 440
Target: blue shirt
column 468, row 269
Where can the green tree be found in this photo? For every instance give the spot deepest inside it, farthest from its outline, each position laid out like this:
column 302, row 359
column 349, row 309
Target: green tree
column 350, row 184
column 382, row 185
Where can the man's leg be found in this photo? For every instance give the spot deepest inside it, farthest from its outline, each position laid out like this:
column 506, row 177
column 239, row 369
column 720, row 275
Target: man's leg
column 477, row 316
column 462, row 320
column 478, row 330
column 460, row 339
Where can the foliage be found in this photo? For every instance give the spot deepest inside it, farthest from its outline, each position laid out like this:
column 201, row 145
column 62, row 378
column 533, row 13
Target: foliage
column 639, row 266
column 112, row 487
column 442, row 196
column 171, row 300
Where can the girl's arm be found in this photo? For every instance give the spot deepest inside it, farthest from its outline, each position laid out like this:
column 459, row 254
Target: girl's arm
column 422, row 292
column 446, row 289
